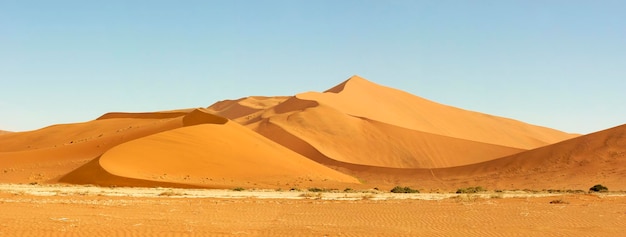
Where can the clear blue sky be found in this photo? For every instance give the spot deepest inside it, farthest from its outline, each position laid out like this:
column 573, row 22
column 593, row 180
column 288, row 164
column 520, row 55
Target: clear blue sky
column 560, row 64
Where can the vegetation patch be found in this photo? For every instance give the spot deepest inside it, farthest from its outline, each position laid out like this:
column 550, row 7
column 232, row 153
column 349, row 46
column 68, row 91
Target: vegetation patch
column 476, row 189
column 170, row 193
column 559, row 201
column 311, row 195
column 564, row 191
column 598, row 188
column 238, row 189
column 317, row 190
column 399, row 189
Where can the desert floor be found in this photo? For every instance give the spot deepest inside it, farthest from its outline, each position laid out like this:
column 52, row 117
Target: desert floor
column 57, row 210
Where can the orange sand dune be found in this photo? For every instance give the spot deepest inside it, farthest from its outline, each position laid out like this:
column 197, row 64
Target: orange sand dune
column 382, row 136
column 46, row 154
column 214, row 154
column 578, row 163
column 245, row 110
column 367, row 142
column 4, row 132
column 148, row 115
column 361, row 98
column 363, row 123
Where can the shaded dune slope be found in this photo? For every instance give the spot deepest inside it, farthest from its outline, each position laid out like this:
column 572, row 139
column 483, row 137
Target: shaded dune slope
column 363, row 141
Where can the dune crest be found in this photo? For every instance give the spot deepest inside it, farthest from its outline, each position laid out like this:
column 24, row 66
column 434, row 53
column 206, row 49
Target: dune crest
column 245, row 110
column 148, row 115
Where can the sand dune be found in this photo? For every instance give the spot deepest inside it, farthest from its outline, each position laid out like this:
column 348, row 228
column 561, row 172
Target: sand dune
column 367, row 142
column 217, row 153
column 364, row 123
column 357, row 129
column 148, row 115
column 47, row 154
column 361, row 98
column 4, row 132
column 578, row 163
column 225, row 154
column 244, row 109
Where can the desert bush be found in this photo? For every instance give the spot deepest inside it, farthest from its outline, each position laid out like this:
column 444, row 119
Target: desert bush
column 169, row 193
column 311, row 195
column 316, row 190
column 238, row 189
column 398, row 189
column 559, row 201
column 476, row 189
column 598, row 188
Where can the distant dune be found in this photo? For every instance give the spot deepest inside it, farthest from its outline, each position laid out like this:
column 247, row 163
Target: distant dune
column 357, row 134
column 47, row 154
column 361, row 122
column 577, row 163
column 4, row 132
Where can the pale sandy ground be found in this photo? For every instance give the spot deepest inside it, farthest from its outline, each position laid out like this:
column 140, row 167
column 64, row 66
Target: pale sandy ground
column 55, row 210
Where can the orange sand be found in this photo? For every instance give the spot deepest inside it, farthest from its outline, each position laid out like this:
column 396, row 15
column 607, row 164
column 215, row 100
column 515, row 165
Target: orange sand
column 357, row 134
column 584, row 215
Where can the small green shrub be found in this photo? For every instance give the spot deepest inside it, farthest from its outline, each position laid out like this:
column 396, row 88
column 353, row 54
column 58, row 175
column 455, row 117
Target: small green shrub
column 476, row 189
column 399, row 189
column 316, row 190
column 598, row 188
